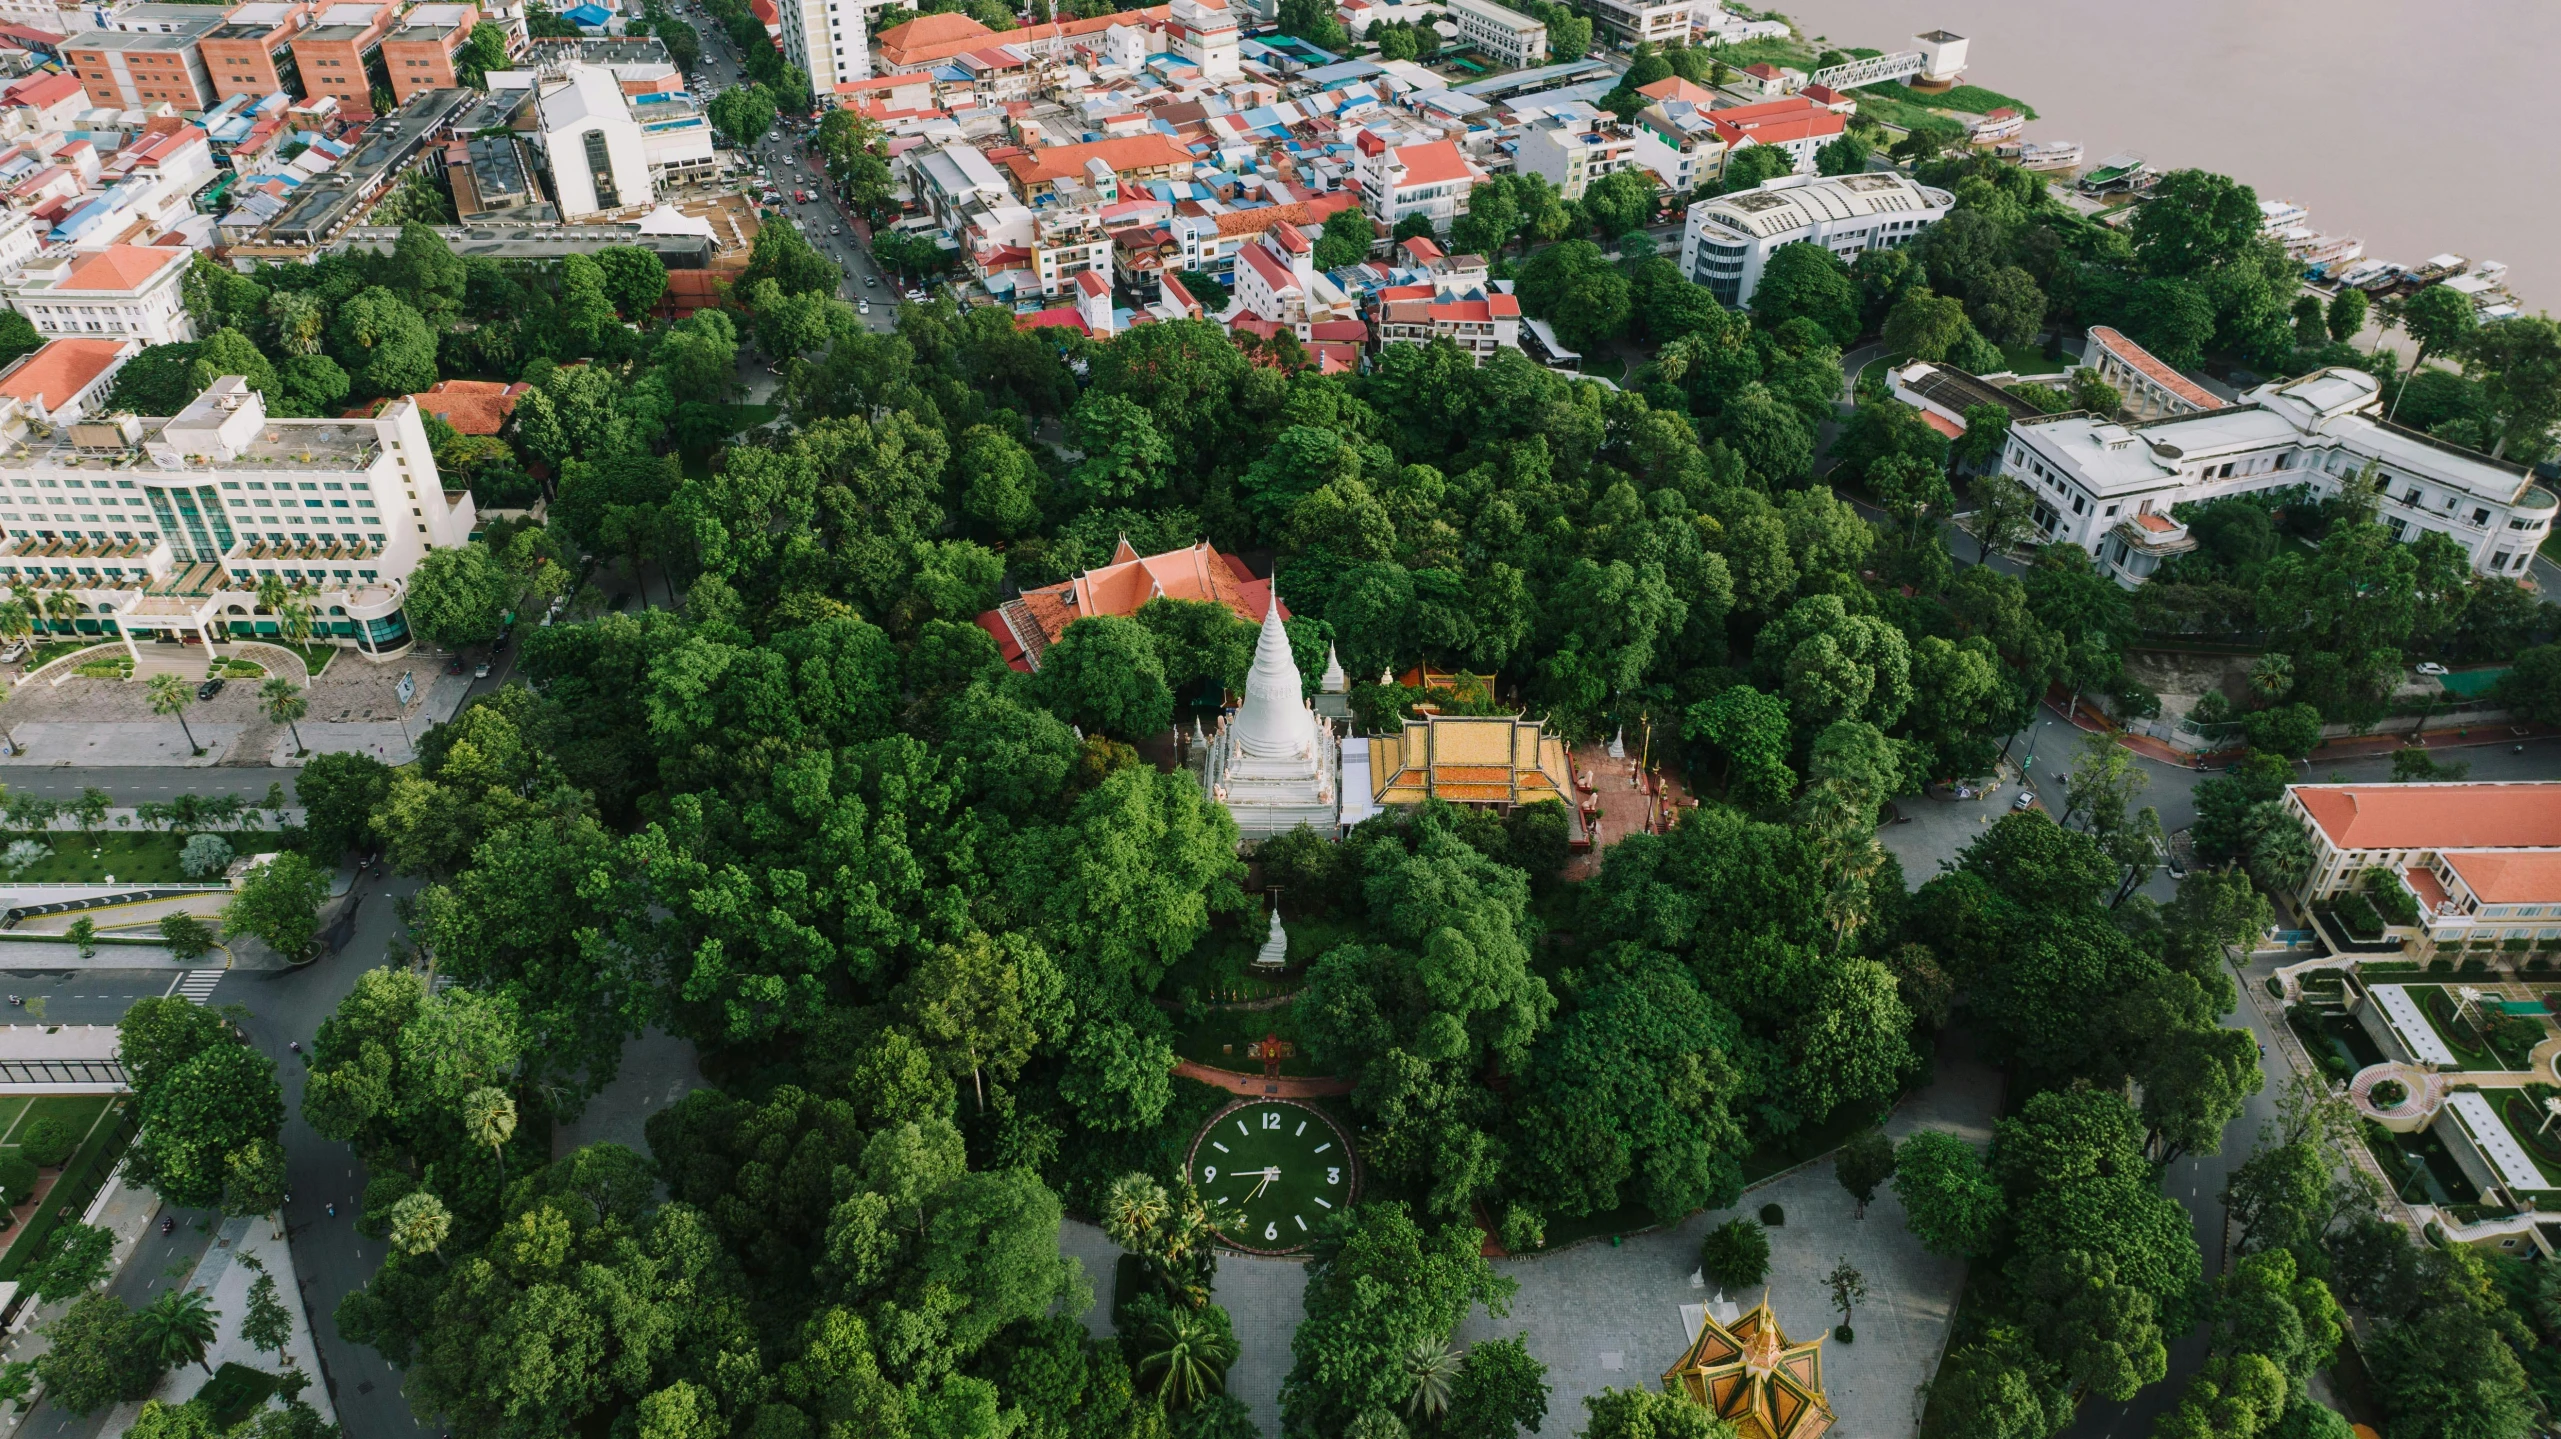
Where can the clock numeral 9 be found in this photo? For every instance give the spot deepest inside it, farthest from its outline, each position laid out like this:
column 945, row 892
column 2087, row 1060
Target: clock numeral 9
column 1209, row 1174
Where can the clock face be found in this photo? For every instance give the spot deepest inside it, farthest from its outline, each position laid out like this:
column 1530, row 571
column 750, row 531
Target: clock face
column 1281, row 1164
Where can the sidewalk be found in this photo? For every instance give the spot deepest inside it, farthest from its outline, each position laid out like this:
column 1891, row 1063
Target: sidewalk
column 125, row 1213
column 240, row 1249
column 2364, row 746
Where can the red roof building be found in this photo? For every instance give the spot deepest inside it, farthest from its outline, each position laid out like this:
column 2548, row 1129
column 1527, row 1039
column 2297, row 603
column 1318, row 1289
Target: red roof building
column 2476, row 858
column 64, row 381
column 1025, row 627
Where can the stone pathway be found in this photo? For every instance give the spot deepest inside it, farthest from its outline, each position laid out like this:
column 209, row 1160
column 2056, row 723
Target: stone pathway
column 1602, row 1317
column 1258, row 1086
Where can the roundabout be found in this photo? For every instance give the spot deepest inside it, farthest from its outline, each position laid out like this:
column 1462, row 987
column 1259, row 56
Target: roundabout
column 1274, row 1169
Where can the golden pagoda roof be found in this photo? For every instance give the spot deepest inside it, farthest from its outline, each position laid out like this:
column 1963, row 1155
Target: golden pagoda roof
column 1750, row 1374
column 1469, row 759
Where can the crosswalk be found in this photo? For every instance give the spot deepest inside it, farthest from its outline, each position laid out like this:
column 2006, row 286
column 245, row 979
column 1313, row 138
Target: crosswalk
column 197, row 984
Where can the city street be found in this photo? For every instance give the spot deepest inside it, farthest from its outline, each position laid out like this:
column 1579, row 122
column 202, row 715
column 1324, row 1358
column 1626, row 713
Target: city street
column 329, row 1256
column 823, row 221
column 159, row 1263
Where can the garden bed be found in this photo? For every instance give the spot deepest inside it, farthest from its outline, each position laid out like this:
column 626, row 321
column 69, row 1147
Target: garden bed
column 79, row 1183
column 145, row 858
column 2496, row 1047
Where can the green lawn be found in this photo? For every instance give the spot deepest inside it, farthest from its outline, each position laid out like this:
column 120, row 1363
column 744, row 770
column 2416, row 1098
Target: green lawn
column 10, row 1110
column 1975, row 100
column 1279, row 1164
column 81, row 1179
column 1784, row 50
column 80, row 1111
column 2029, row 360
column 1611, row 368
column 139, row 858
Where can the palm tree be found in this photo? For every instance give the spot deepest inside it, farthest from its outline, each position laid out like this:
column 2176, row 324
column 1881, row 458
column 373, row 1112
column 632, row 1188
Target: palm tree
column 179, row 1325
column 271, row 593
column 16, row 621
column 1432, row 1366
column 62, row 607
column 285, row 703
column 170, row 696
column 489, row 1117
column 1188, row 1353
column 296, row 619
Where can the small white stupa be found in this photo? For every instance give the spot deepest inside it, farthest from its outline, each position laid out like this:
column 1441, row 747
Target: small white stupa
column 1334, row 682
column 1274, row 763
column 1275, row 951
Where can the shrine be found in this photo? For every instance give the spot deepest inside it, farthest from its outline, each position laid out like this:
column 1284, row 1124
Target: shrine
column 1749, row 1374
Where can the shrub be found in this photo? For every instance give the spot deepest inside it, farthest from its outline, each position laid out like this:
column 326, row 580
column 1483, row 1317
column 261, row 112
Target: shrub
column 1735, row 1254
column 204, row 856
column 2355, row 914
column 1773, row 1216
column 23, row 853
column 47, row 1141
column 17, row 1180
column 2388, row 1094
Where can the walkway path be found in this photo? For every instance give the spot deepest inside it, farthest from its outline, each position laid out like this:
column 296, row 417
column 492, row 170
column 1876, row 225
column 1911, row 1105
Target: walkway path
column 1258, row 1086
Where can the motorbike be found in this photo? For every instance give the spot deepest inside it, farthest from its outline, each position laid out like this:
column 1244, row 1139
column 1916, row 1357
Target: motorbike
column 168, row 1226
column 295, row 1046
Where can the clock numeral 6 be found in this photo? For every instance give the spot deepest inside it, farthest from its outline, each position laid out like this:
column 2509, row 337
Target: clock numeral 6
column 1272, row 1230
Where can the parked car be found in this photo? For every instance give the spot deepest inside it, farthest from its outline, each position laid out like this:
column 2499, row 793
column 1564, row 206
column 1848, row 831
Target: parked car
column 2432, row 669
column 13, row 653
column 2026, row 800
column 916, row 296
column 480, row 671
column 208, row 689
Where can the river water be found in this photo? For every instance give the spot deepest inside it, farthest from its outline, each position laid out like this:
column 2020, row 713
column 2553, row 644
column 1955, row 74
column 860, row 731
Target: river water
column 2417, row 127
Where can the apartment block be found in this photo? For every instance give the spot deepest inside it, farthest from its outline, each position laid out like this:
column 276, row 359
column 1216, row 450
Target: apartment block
column 420, row 54
column 251, row 53
column 340, row 53
column 131, row 69
column 2093, row 477
column 161, row 530
column 1727, row 240
column 1518, row 40
column 127, row 291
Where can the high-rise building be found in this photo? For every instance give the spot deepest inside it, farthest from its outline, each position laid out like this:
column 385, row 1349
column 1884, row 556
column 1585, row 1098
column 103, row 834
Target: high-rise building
column 830, row 40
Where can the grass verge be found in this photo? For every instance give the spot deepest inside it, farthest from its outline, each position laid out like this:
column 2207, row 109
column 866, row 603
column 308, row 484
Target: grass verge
column 1975, row 100
column 81, row 1179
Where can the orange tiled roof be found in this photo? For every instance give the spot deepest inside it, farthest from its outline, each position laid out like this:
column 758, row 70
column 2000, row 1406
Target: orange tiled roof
column 2424, row 884
column 122, row 267
column 2487, row 815
column 2142, row 362
column 60, row 370
column 2509, row 876
column 2157, row 524
column 1434, row 164
column 472, row 407
column 1051, row 163
column 1673, row 87
column 1119, row 588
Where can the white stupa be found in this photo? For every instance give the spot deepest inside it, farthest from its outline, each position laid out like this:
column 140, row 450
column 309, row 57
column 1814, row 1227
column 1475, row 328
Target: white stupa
column 1274, row 763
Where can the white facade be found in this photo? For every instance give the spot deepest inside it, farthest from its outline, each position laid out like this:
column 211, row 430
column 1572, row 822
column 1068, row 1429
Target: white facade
column 2321, row 430
column 1570, row 152
column 1634, row 20
column 1942, row 56
column 21, row 240
column 1275, row 765
column 830, row 40
column 1675, row 140
column 1729, row 239
column 1401, row 180
column 1517, row 40
column 599, row 158
column 1206, row 35
column 160, row 528
column 124, row 291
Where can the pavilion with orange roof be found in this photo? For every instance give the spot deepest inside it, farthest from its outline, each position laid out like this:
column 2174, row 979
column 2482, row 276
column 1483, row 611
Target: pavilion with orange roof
column 1750, row 1375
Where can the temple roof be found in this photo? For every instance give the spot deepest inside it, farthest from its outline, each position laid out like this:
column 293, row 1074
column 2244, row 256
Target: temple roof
column 1751, row 1375
column 1469, row 759
column 1025, row 627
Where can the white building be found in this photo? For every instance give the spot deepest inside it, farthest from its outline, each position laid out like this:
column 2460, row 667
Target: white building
column 123, row 290
column 2146, row 388
column 1674, row 138
column 2092, row 476
column 1277, row 281
column 1571, row 151
column 160, row 528
column 65, row 381
column 1274, row 764
column 1517, row 40
column 1634, row 20
column 830, row 40
column 1401, row 180
column 1206, row 35
column 1942, row 56
column 599, row 158
column 1729, row 239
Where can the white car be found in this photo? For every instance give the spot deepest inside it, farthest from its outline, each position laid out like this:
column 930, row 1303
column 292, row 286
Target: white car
column 916, row 296
column 863, row 308
column 2432, row 669
column 2026, row 800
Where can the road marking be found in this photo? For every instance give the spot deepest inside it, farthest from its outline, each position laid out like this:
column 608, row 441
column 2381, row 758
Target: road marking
column 197, row 984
